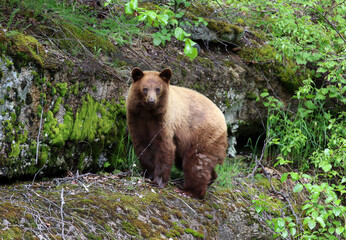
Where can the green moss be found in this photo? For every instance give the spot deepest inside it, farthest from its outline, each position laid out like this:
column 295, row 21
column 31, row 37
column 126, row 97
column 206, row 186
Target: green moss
column 16, row 135
column 53, row 91
column 100, row 124
column 75, row 88
column 205, row 62
column 198, row 9
column 57, row 105
column 224, row 27
column 143, row 227
column 240, row 21
column 264, row 59
column 251, row 96
column 23, row 48
column 39, row 110
column 58, row 134
column 184, row 223
column 75, row 39
column 175, row 232
column 130, row 229
column 194, row 233
column 62, row 88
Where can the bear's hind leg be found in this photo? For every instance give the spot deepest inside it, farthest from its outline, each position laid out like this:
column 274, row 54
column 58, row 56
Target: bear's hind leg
column 198, row 173
column 213, row 177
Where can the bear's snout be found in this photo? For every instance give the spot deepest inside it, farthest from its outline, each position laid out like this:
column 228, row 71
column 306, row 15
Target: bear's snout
column 151, row 101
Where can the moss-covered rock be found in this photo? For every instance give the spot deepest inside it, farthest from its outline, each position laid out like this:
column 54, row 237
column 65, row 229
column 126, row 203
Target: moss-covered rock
column 215, row 30
column 265, row 60
column 107, row 206
column 22, row 48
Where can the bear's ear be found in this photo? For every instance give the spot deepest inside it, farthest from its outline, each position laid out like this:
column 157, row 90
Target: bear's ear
column 166, row 74
column 137, row 74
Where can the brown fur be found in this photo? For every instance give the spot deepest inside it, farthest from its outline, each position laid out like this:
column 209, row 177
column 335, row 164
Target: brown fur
column 171, row 124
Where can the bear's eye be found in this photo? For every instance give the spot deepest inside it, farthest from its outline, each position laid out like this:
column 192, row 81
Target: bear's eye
column 145, row 90
column 157, row 90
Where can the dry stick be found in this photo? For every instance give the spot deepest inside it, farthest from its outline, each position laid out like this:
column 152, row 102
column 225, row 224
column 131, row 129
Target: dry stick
column 62, row 213
column 193, row 210
column 39, row 132
column 38, row 143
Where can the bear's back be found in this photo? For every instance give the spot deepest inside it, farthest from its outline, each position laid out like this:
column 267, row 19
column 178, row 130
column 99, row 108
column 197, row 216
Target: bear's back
column 192, row 111
column 194, row 103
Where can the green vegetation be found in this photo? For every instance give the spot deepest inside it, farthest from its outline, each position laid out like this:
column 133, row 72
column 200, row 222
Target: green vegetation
column 166, row 20
column 311, row 138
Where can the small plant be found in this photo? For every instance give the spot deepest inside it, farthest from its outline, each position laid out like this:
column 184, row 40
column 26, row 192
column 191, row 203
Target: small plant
column 166, row 21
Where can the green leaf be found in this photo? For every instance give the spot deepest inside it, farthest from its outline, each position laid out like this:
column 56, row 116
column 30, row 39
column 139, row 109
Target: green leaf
column 320, row 221
column 258, row 209
column 329, row 199
column 343, row 180
column 293, row 231
column 189, row 50
column 306, row 176
column 294, row 176
column 163, row 19
column 284, row 177
column 312, row 224
column 128, row 9
column 298, row 187
column 179, row 34
column 336, row 211
column 306, row 220
column 157, row 41
column 306, row 206
column 331, row 230
column 284, row 234
column 322, row 70
column 340, row 230
column 281, row 222
column 300, row 60
column 131, row 6
column 320, row 96
column 264, row 94
column 107, row 2
column 309, row 104
column 152, row 15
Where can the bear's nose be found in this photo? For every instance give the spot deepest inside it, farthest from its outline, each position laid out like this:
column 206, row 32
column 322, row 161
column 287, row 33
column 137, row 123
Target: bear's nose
column 151, row 101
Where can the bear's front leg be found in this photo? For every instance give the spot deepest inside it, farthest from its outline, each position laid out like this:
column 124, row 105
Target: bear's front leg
column 146, row 159
column 164, row 160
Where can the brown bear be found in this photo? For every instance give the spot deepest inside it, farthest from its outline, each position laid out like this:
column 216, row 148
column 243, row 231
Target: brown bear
column 170, row 124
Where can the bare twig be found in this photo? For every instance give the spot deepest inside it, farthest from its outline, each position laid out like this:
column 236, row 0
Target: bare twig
column 62, row 213
column 39, row 131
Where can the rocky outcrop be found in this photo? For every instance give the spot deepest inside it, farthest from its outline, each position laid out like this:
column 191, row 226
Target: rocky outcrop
column 56, row 114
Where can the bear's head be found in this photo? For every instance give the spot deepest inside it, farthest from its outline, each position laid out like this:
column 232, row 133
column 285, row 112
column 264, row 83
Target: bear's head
column 151, row 87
